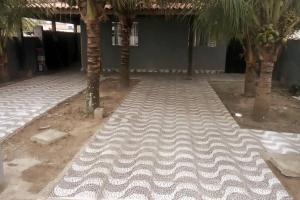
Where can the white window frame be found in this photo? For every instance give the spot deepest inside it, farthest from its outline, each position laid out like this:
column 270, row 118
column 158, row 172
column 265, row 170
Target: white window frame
column 117, row 36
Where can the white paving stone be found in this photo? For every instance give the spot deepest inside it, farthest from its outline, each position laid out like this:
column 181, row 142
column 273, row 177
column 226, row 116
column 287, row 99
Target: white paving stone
column 23, row 101
column 173, row 139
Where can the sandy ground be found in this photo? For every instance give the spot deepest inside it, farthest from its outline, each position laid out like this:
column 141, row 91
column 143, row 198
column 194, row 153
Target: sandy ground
column 29, row 167
column 284, row 116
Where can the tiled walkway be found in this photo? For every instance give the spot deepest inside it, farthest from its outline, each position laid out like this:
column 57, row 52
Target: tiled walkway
column 174, row 139
column 23, row 101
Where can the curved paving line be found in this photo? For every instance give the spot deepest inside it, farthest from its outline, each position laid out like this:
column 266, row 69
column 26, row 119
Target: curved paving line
column 174, row 139
column 22, row 102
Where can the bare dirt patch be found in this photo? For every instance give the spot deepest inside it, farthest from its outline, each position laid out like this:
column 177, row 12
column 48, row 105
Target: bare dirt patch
column 52, row 159
column 284, row 116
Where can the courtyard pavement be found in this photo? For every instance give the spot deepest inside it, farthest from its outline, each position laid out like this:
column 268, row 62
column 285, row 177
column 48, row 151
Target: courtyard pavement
column 23, row 101
column 174, row 139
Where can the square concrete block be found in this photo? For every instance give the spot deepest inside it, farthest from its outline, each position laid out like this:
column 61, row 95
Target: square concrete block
column 287, row 164
column 1, row 170
column 48, row 136
column 98, row 113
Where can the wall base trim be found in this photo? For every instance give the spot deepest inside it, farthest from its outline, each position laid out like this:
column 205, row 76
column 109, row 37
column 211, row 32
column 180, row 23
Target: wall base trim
column 172, row 71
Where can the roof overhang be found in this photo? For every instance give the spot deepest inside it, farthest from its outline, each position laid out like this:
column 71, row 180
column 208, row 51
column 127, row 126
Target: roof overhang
column 63, row 8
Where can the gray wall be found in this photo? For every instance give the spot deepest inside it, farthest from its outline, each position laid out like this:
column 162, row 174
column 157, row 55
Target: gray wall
column 13, row 56
column 210, row 58
column 287, row 70
column 30, row 53
column 163, row 44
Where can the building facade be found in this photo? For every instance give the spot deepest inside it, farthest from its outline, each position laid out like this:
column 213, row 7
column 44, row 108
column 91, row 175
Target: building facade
column 158, row 43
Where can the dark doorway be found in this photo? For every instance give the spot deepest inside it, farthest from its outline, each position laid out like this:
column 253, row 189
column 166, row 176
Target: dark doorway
column 62, row 50
column 235, row 62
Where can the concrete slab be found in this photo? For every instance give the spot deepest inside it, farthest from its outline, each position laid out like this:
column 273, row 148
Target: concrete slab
column 48, row 136
column 298, row 98
column 287, row 164
column 1, row 171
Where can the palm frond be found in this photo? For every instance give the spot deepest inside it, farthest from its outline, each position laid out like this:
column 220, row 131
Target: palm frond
column 127, row 7
column 222, row 18
column 12, row 12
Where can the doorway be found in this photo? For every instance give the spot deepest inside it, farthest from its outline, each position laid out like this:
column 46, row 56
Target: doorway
column 235, row 62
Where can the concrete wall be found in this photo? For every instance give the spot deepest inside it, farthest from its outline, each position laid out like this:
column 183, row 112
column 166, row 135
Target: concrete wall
column 13, row 57
column 30, row 53
column 287, row 70
column 163, row 44
column 211, row 58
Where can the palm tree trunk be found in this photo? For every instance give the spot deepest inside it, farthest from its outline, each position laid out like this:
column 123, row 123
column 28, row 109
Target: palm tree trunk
column 250, row 76
column 93, row 65
column 190, row 49
column 3, row 68
column 126, row 25
column 268, row 56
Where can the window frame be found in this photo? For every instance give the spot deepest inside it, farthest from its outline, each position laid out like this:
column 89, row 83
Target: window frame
column 117, row 35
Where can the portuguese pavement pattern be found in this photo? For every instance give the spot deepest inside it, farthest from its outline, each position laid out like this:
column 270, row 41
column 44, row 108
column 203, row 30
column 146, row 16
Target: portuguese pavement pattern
column 23, row 101
column 174, row 139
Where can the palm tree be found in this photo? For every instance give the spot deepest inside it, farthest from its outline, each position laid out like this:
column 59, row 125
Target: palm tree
column 263, row 26
column 126, row 11
column 251, row 66
column 228, row 19
column 92, row 12
column 277, row 20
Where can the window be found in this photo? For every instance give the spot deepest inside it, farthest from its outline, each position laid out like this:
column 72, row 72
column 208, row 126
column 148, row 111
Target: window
column 117, row 37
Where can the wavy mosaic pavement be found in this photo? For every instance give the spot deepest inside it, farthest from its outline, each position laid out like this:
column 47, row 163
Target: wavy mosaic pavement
column 171, row 139
column 275, row 142
column 23, row 101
